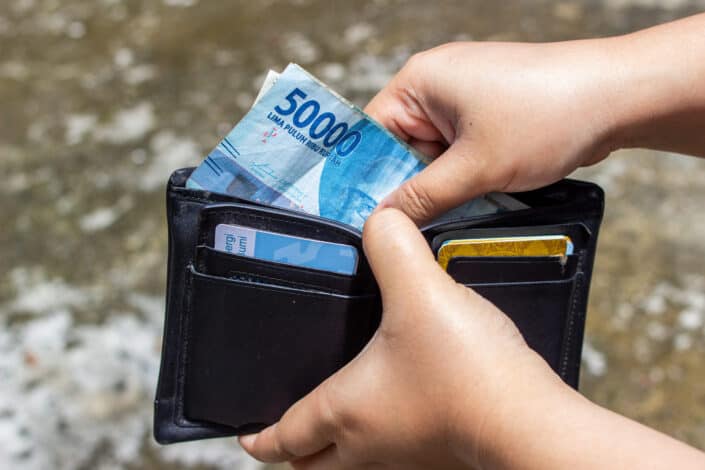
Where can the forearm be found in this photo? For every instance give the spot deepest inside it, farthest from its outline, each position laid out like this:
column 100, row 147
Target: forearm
column 550, row 426
column 574, row 433
column 656, row 94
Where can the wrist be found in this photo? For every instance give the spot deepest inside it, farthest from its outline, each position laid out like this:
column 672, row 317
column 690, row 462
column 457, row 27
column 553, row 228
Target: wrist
column 634, row 93
column 524, row 403
column 525, row 425
column 654, row 85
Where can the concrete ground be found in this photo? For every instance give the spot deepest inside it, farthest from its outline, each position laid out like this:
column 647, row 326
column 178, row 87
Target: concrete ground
column 101, row 99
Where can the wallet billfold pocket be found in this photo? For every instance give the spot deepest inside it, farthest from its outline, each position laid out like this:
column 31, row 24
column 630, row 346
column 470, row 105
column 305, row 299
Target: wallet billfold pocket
column 245, row 338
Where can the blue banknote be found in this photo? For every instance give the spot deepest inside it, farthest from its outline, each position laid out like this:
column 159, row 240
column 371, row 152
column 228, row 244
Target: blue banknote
column 304, row 147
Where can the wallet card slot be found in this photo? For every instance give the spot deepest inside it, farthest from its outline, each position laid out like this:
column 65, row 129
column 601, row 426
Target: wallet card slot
column 542, row 311
column 566, row 202
column 287, row 223
column 217, row 263
column 255, row 349
column 505, row 269
column 577, row 232
column 271, row 219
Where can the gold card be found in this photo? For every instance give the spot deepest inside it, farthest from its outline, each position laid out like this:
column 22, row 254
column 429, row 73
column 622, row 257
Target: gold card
column 542, row 245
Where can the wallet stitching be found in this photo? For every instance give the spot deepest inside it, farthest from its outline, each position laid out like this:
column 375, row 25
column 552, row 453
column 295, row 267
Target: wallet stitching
column 182, row 334
column 570, row 329
column 182, row 359
column 177, row 195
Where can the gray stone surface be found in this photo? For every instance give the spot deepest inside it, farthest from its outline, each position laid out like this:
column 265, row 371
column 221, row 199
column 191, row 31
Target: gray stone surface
column 101, row 99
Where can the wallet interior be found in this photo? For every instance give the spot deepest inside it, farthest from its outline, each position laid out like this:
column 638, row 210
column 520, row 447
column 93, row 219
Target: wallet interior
column 246, row 338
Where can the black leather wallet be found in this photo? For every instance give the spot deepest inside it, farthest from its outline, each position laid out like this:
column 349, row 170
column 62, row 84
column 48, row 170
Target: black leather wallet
column 244, row 338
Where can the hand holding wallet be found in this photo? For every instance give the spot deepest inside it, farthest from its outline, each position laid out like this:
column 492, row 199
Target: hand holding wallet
column 239, row 351
column 446, row 373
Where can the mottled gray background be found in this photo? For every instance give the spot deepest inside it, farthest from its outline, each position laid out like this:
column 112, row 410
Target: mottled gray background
column 101, row 99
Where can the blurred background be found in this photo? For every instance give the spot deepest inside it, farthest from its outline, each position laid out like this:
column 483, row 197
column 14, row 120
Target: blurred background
column 102, row 99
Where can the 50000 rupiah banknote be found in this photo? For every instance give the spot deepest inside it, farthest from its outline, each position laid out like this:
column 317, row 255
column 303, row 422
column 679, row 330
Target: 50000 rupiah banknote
column 303, row 147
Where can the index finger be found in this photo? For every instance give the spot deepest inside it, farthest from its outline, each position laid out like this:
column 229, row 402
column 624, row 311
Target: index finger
column 400, row 107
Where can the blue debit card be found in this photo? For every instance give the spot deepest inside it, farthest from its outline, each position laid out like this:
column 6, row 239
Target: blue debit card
column 282, row 248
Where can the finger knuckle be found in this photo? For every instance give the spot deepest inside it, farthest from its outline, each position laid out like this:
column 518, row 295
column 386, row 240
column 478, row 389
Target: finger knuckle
column 440, row 52
column 373, row 224
column 480, row 168
column 329, row 410
column 378, row 221
column 416, row 200
column 416, row 60
column 380, row 226
column 279, row 446
column 337, row 417
column 448, row 52
column 371, row 230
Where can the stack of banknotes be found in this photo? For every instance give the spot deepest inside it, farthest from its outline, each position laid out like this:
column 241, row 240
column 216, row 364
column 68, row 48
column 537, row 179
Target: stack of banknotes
column 304, row 147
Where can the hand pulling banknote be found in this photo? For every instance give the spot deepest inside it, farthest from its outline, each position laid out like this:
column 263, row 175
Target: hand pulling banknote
column 303, row 147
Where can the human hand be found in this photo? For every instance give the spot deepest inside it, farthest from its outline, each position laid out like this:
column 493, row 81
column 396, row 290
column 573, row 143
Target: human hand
column 447, row 381
column 437, row 387
column 498, row 117
column 513, row 117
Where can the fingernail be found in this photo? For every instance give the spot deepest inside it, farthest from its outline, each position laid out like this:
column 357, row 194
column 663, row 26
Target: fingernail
column 248, row 441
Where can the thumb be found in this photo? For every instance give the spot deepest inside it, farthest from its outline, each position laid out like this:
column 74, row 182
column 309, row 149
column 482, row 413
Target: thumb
column 453, row 178
column 399, row 256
